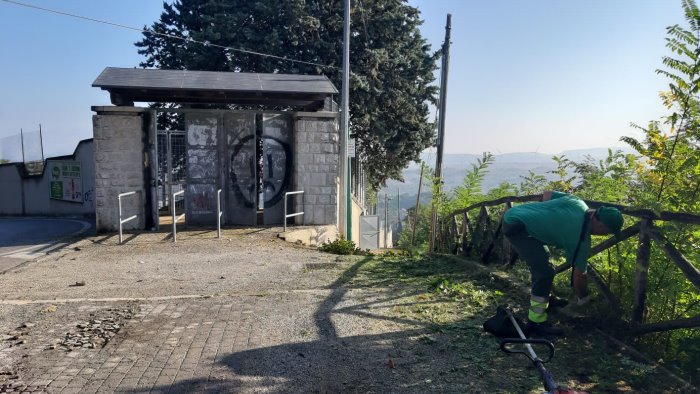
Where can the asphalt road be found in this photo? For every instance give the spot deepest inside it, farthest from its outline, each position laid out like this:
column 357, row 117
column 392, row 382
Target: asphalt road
column 23, row 239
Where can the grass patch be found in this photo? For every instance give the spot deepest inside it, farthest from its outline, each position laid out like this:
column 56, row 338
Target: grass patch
column 453, row 297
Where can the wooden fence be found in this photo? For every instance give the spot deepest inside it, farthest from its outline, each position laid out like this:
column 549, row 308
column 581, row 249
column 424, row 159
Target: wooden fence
column 459, row 234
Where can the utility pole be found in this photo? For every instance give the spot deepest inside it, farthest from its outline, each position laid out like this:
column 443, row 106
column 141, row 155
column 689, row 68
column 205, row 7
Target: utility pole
column 345, row 219
column 398, row 210
column 41, row 142
column 415, row 215
column 441, row 126
column 386, row 218
column 21, row 138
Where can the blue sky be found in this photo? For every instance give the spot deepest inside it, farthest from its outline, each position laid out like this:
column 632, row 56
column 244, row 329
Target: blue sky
column 538, row 75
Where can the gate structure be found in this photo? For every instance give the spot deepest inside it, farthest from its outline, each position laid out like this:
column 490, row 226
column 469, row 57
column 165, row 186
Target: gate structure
column 254, row 154
column 369, row 232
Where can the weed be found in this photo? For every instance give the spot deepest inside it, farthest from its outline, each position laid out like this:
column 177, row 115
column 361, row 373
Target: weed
column 343, row 246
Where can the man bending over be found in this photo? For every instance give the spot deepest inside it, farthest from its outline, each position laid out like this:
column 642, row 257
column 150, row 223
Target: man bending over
column 563, row 221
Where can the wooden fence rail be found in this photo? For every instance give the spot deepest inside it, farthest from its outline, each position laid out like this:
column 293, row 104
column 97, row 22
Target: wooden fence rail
column 458, row 233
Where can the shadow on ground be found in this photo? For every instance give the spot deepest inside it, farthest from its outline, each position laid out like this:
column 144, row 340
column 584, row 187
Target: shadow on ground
column 438, row 307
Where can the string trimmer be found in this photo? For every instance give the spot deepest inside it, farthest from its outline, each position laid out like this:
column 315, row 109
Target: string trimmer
column 550, row 385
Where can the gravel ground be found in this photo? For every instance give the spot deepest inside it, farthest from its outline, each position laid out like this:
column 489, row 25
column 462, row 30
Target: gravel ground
column 242, row 261
column 246, row 313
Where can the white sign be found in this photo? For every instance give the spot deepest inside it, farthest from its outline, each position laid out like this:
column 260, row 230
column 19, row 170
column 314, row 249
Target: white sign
column 351, row 147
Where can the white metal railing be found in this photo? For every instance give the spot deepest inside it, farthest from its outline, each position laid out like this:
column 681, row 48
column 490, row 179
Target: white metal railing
column 176, row 218
column 122, row 221
column 219, row 212
column 285, row 207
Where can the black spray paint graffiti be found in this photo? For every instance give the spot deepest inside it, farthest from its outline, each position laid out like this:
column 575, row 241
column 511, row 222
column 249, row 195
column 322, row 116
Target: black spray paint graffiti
column 276, row 174
column 87, row 196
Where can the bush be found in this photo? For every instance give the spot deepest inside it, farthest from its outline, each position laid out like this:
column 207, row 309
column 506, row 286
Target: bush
column 340, row 246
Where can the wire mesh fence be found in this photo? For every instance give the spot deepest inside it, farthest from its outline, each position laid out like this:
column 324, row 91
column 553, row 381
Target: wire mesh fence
column 24, row 147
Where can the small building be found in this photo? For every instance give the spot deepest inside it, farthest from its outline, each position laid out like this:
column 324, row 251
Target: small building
column 282, row 137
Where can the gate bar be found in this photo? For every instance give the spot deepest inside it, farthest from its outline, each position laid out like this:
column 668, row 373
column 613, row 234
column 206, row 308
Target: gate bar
column 175, row 219
column 285, row 207
column 122, row 221
column 219, row 212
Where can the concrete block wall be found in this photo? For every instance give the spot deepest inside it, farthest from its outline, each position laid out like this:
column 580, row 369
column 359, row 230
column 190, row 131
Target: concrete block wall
column 316, row 154
column 30, row 195
column 11, row 186
column 119, row 166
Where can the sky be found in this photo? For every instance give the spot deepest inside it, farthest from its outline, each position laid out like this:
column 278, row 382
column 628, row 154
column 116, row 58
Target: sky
column 524, row 76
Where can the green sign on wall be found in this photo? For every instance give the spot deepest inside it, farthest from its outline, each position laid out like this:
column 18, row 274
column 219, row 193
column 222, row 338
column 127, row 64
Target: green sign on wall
column 66, row 181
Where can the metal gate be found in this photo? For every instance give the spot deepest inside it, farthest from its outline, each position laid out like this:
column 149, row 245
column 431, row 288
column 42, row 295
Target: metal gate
column 241, row 168
column 172, row 168
column 369, row 232
column 276, row 165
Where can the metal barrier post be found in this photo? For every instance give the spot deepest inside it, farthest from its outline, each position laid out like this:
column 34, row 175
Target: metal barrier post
column 285, row 207
column 219, row 212
column 176, row 218
column 122, row 221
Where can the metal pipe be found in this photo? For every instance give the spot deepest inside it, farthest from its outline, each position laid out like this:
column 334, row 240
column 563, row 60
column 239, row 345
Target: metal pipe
column 218, row 213
column 285, row 207
column 175, row 219
column 119, row 202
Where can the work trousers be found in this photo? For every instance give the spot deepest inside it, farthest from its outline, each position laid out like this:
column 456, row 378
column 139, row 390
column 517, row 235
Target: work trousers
column 535, row 254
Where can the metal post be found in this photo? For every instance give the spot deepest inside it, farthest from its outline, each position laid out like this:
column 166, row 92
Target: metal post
column 345, row 187
column 121, row 237
column 21, row 138
column 386, row 218
column 286, row 196
column 398, row 209
column 218, row 213
column 415, row 215
column 41, row 144
column 169, row 165
column 172, row 206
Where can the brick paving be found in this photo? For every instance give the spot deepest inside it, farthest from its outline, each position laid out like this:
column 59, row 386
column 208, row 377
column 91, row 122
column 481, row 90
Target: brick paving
column 280, row 323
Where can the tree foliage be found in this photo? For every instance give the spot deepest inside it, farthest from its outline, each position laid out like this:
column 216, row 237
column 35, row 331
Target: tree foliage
column 391, row 63
column 664, row 175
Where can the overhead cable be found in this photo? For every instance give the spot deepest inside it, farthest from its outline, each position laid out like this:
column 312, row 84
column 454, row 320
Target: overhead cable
column 148, row 31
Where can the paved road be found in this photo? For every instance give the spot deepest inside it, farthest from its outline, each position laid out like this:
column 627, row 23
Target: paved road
column 23, row 239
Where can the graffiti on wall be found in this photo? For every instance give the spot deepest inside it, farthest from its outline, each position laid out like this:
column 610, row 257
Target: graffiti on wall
column 201, row 199
column 276, row 164
column 243, row 169
column 202, row 163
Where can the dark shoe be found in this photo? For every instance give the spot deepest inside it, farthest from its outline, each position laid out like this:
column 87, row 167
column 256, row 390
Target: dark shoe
column 557, row 302
column 544, row 329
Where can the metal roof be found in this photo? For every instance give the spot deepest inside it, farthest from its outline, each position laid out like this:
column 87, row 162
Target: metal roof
column 127, row 85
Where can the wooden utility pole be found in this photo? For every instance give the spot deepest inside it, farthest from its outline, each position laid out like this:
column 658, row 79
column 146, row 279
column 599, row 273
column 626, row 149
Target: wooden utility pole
column 415, row 215
column 441, row 126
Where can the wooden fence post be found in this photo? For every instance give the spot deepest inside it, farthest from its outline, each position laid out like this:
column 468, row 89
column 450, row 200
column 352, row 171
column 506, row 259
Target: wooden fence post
column 641, row 280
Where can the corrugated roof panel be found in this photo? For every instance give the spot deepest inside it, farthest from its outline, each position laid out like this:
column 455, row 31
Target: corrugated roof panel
column 135, row 78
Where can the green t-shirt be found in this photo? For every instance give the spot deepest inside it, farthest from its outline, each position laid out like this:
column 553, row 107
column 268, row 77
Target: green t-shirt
column 556, row 222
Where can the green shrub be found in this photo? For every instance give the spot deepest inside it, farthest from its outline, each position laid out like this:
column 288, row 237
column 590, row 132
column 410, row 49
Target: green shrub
column 341, row 246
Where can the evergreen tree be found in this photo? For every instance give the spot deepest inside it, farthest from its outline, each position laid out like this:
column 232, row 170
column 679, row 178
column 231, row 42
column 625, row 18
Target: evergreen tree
column 391, row 63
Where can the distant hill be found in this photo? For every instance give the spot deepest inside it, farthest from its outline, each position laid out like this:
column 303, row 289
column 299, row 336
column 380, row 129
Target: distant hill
column 508, row 167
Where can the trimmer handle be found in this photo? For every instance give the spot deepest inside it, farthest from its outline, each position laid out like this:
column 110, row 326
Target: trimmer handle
column 507, row 342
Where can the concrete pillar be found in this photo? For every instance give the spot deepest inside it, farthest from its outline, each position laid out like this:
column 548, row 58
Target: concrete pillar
column 316, row 154
column 119, row 134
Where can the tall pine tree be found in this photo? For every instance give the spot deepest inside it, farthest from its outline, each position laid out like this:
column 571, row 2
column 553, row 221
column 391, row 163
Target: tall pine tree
column 391, row 63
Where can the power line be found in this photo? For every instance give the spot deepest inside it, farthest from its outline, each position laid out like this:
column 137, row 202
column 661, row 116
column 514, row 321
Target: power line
column 148, row 31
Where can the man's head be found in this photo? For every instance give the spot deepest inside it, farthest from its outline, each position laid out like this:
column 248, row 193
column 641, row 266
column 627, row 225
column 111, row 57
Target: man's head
column 607, row 220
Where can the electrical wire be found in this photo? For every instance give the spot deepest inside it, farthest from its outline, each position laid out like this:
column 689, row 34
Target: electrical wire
column 148, row 31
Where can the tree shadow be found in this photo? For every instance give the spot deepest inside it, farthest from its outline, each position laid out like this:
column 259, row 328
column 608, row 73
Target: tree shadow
column 416, row 357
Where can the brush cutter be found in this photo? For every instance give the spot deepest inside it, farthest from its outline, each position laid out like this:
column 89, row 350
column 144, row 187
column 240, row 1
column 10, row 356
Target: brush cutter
column 507, row 345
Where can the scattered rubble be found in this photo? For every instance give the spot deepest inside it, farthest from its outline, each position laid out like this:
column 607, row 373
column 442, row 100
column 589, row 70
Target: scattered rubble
column 96, row 332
